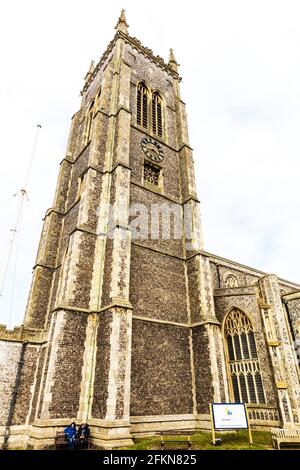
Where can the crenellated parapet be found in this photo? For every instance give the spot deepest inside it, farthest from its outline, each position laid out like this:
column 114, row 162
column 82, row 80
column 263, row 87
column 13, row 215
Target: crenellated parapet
column 23, row 335
column 170, row 67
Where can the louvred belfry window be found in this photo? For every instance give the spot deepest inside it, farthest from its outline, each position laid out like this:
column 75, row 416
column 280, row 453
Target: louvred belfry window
column 142, row 106
column 151, row 174
column 157, row 119
column 242, row 358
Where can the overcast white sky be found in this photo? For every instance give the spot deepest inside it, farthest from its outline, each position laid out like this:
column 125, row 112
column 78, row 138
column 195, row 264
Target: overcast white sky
column 240, row 63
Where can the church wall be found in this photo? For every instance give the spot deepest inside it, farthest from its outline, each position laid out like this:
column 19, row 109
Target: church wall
column 203, row 375
column 145, row 69
column 194, row 292
column 97, row 80
column 293, row 309
column 106, row 300
column 90, row 198
column 222, row 273
column 248, row 303
column 37, row 385
column 62, row 186
column 251, row 279
column 122, row 126
column 102, row 78
column 73, row 147
column 52, row 247
column 157, row 287
column 170, row 114
column 24, row 394
column 81, row 127
column 100, row 135
column 9, row 357
column 70, row 222
column 112, row 190
column 168, row 341
column 48, row 247
column 215, row 276
column 286, row 287
column 244, row 277
column 83, row 251
column 160, row 370
column 223, row 382
column 40, row 291
column 68, row 367
column 83, row 280
column 170, row 245
column 45, row 363
column 55, row 284
column 100, row 393
column 70, row 151
column 187, row 177
column 39, row 299
column 79, row 166
column 169, row 164
column 93, row 88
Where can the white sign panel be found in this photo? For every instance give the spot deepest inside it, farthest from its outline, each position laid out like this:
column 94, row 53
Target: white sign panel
column 229, row 416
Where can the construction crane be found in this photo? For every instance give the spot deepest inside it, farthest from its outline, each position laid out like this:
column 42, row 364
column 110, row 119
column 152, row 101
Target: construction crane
column 14, row 231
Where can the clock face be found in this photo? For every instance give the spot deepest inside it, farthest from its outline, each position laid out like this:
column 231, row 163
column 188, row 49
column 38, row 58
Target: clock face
column 152, row 149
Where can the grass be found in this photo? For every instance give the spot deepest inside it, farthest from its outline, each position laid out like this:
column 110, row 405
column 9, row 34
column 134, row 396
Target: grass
column 202, row 441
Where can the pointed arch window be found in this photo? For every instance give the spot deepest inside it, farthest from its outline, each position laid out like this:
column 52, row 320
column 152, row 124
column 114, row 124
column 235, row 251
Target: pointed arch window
column 88, row 124
column 142, row 105
column 243, row 363
column 157, row 114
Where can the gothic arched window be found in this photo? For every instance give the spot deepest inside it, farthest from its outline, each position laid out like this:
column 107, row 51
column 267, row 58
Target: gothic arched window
column 157, row 111
column 142, row 105
column 88, row 124
column 242, row 358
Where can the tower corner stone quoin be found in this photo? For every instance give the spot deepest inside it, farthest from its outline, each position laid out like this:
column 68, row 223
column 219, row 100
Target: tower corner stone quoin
column 125, row 306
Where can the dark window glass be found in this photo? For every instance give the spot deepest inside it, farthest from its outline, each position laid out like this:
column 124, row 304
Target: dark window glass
column 235, row 389
column 238, row 353
column 142, row 106
column 230, row 348
column 243, row 389
column 260, row 389
column 245, row 346
column 252, row 344
column 157, row 119
column 251, row 389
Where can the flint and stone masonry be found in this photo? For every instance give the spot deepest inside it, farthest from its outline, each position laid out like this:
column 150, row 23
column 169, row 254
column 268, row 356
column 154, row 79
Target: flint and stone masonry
column 114, row 323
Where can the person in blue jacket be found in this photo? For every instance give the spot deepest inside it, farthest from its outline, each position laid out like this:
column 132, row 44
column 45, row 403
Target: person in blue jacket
column 71, row 434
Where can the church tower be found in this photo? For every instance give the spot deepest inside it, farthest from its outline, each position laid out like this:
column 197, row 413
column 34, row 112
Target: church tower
column 121, row 329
